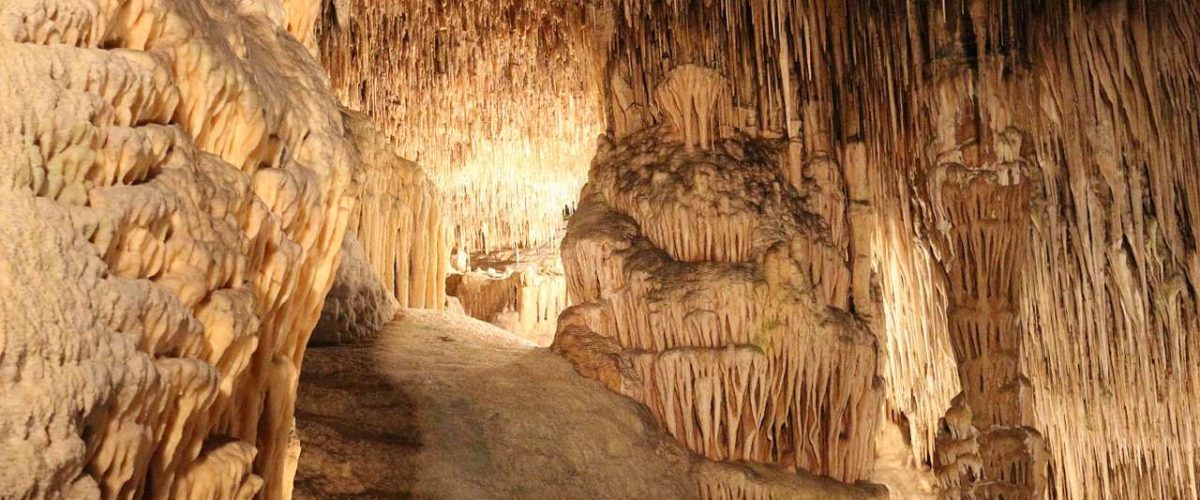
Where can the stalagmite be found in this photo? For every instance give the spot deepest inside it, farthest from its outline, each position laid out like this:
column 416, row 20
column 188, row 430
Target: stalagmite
column 175, row 190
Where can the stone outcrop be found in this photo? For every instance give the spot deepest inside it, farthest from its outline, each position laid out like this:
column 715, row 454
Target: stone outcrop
column 173, row 194
column 358, row 305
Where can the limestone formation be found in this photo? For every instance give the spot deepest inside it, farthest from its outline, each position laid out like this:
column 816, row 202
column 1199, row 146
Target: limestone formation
column 688, row 98
column 522, row 293
column 707, row 292
column 399, row 220
column 1019, row 176
column 173, row 195
column 947, row 246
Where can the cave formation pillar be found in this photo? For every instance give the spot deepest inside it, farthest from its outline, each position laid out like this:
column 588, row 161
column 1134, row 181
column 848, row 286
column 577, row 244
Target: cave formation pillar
column 982, row 183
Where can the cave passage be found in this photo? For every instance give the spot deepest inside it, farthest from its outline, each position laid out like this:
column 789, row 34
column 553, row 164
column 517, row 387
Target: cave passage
column 546, row 249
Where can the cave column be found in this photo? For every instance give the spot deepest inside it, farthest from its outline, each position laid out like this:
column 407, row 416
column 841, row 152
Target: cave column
column 981, row 189
column 981, row 183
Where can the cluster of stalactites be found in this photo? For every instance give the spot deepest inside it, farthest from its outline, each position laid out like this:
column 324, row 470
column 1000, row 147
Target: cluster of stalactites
column 173, row 204
column 776, row 56
column 1023, row 195
column 688, row 98
column 498, row 100
column 399, row 221
column 1120, row 353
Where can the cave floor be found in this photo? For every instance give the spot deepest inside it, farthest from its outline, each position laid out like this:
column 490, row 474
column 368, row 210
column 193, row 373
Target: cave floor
column 444, row 406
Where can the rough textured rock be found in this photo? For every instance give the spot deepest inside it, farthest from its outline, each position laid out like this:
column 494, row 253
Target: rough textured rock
column 709, row 293
column 358, row 305
column 999, row 194
column 173, row 181
column 1030, row 166
column 395, row 253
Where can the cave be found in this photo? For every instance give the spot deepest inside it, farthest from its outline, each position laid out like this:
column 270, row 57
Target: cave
column 599, row 249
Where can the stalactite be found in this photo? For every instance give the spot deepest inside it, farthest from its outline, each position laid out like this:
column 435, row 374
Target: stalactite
column 1120, row 366
column 1000, row 195
column 478, row 93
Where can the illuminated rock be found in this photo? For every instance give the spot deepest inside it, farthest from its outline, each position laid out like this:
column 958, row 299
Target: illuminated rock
column 521, row 293
column 688, row 97
column 173, row 195
column 399, row 220
column 499, row 101
column 707, row 292
column 1057, row 302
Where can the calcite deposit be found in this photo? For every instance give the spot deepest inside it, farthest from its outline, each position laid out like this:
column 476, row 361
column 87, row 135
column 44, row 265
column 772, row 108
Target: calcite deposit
column 709, row 293
column 948, row 246
column 1018, row 202
column 395, row 252
column 173, row 195
column 399, row 221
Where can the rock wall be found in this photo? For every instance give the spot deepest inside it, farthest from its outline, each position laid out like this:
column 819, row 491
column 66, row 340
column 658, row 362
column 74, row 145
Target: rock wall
column 707, row 291
column 394, row 254
column 173, row 195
